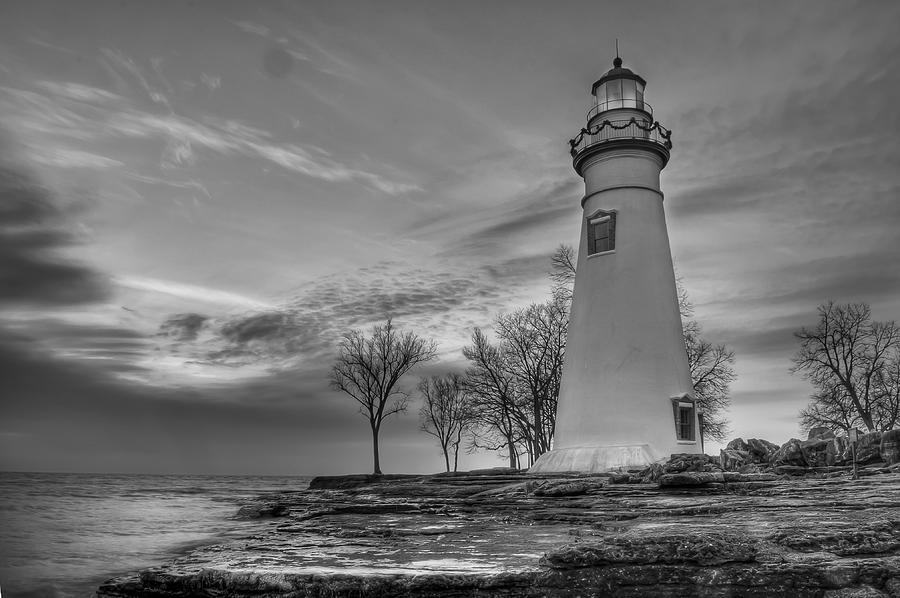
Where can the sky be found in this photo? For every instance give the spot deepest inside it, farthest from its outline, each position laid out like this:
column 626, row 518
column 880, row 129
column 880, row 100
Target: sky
column 198, row 198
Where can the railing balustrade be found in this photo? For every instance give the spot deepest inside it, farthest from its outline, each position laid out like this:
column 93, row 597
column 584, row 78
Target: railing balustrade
column 614, row 130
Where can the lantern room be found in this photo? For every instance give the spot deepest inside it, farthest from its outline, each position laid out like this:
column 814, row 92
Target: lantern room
column 620, row 88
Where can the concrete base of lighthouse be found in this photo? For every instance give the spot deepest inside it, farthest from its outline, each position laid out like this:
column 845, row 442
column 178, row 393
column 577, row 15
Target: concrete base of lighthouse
column 596, row 459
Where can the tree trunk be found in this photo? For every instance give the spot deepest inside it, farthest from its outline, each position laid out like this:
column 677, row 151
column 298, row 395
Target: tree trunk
column 456, row 449
column 376, row 468
column 512, row 454
column 446, row 459
column 867, row 420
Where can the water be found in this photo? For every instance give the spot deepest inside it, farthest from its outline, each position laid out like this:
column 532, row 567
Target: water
column 61, row 535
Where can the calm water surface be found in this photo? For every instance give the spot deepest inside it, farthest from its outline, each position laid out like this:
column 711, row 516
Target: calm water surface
column 63, row 534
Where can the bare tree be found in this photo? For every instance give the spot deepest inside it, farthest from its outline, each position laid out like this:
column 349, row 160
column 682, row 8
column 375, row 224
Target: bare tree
column 493, row 399
column 514, row 385
column 369, row 368
column 533, row 340
column 854, row 365
column 711, row 375
column 887, row 387
column 445, row 414
column 831, row 408
column 562, row 271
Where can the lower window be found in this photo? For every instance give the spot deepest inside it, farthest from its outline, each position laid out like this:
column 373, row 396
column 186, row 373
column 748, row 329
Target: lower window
column 685, row 417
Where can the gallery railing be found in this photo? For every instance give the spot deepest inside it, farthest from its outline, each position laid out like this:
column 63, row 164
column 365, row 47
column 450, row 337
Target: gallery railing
column 618, row 130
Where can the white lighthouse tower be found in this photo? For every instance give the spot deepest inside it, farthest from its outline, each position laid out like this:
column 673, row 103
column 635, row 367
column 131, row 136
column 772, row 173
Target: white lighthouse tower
column 626, row 397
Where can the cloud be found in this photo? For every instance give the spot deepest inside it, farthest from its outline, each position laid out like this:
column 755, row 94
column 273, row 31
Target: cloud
column 78, row 415
column 80, row 92
column 189, row 291
column 481, row 230
column 188, row 184
column 211, row 81
column 253, row 28
column 33, row 231
column 230, row 137
column 550, row 202
column 83, row 112
column 35, row 112
column 117, row 60
column 112, row 350
column 304, row 329
column 183, row 327
column 59, row 157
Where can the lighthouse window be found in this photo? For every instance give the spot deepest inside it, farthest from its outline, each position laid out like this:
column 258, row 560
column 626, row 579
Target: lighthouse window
column 601, row 231
column 684, row 421
column 628, row 93
column 614, row 93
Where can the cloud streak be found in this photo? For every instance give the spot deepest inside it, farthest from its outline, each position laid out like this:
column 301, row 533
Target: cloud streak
column 33, row 232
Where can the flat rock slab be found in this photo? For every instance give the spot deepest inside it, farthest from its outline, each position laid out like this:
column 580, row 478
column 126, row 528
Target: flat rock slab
column 505, row 534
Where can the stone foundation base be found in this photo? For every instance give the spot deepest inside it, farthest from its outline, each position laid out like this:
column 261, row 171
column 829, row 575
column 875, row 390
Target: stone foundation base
column 595, row 459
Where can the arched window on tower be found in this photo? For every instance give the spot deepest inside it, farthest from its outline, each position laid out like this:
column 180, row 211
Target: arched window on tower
column 601, row 232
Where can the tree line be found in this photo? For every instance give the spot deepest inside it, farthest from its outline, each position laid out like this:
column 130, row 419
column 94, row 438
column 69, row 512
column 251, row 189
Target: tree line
column 506, row 398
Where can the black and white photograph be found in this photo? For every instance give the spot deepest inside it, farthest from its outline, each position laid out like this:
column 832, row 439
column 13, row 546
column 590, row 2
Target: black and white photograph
column 433, row 298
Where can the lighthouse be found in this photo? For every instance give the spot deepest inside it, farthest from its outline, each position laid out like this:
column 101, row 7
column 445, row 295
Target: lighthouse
column 626, row 393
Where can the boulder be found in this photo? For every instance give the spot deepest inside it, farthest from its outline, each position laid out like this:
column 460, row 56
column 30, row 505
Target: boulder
column 790, row 453
column 738, row 444
column 562, row 488
column 821, row 433
column 733, row 460
column 689, row 462
column 868, row 448
column 890, row 447
column 753, row 468
column 838, row 451
column 761, row 451
column 649, row 475
column 814, row 452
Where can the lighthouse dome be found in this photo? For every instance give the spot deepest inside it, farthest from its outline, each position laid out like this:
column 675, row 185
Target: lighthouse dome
column 618, row 72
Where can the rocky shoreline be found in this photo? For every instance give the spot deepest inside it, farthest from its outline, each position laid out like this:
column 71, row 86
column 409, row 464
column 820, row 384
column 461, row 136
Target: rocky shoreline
column 504, row 533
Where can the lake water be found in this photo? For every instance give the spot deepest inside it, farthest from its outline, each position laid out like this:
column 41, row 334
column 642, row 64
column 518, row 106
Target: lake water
column 61, row 535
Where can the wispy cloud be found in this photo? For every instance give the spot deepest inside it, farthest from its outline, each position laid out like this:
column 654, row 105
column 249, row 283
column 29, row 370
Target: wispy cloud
column 192, row 292
column 188, row 184
column 182, row 135
column 35, row 112
column 80, row 92
column 211, row 81
column 60, row 157
column 119, row 60
column 253, row 28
